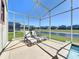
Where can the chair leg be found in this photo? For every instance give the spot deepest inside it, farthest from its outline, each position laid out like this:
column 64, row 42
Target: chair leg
column 29, row 45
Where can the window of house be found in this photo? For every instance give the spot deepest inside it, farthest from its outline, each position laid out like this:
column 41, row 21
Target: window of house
column 2, row 12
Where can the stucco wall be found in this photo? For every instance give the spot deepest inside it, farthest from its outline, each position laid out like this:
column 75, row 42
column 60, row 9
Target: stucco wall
column 0, row 28
column 3, row 30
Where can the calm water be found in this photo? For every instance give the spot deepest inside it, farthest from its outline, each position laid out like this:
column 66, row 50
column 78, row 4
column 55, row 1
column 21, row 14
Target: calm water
column 74, row 52
column 64, row 34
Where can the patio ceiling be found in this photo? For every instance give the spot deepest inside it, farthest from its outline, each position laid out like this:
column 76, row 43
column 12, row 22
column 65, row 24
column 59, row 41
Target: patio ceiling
column 35, row 8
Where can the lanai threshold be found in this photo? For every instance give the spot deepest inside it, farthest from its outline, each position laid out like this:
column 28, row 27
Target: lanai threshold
column 45, row 50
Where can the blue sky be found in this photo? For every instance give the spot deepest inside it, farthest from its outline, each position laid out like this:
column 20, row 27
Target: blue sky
column 29, row 7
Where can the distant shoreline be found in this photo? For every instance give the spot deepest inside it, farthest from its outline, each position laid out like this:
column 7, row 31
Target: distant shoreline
column 66, row 32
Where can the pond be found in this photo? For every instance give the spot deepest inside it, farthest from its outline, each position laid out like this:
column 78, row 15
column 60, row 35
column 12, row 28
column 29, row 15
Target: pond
column 63, row 34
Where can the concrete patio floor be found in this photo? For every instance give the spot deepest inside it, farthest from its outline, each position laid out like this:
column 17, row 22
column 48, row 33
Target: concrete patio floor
column 19, row 50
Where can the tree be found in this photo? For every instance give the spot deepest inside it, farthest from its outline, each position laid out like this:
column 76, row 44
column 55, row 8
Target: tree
column 62, row 27
column 53, row 27
column 76, row 27
column 10, row 26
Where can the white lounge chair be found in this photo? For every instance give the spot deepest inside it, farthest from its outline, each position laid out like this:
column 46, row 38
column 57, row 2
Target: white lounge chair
column 38, row 37
column 28, row 39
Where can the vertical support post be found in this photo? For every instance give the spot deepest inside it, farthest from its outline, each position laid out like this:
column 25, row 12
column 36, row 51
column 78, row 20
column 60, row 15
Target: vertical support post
column 50, row 25
column 24, row 27
column 28, row 23
column 40, row 26
column 71, row 21
column 14, row 27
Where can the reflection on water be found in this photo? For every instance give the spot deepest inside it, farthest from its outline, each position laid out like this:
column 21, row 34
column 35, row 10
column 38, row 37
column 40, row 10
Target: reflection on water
column 63, row 34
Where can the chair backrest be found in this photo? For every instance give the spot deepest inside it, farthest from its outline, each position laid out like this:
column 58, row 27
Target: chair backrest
column 34, row 33
column 27, row 33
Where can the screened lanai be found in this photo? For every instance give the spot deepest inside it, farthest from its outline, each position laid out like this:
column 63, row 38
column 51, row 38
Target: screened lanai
column 56, row 20
column 44, row 14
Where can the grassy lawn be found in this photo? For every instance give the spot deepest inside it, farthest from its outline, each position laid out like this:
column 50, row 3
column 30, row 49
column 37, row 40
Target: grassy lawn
column 10, row 36
column 76, row 40
column 17, row 34
column 61, row 38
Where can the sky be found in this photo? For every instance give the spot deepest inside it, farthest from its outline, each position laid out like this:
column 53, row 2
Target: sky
column 29, row 7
